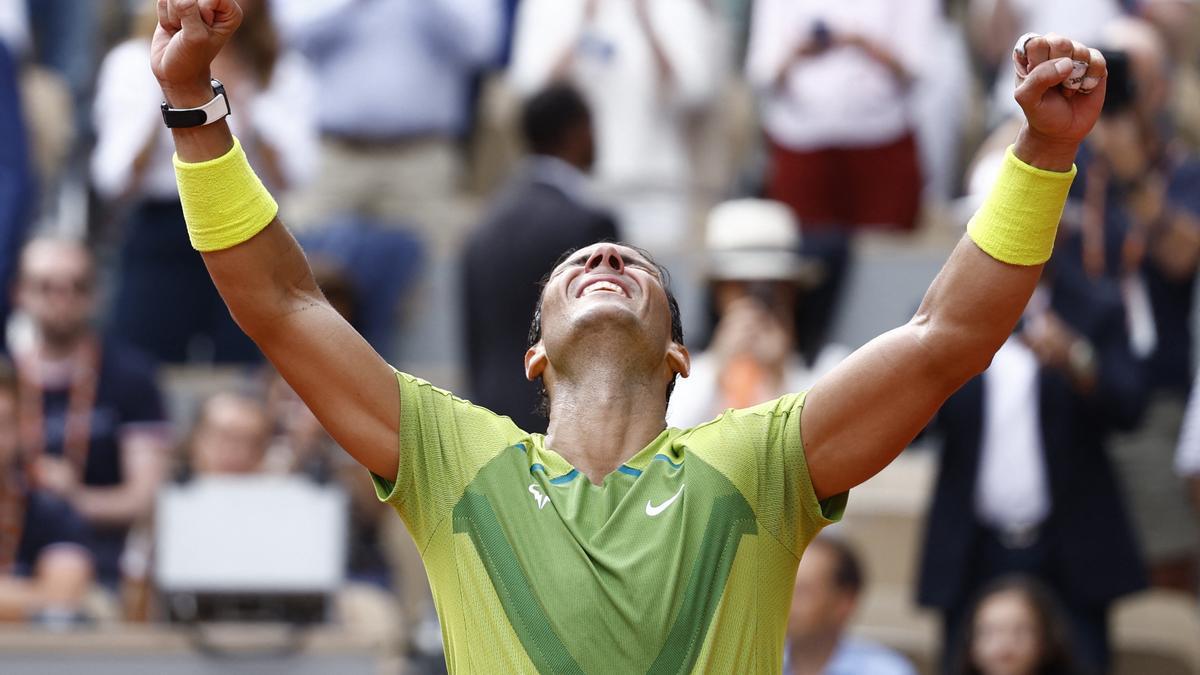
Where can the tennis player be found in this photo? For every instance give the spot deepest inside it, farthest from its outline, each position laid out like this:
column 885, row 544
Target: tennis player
column 613, row 543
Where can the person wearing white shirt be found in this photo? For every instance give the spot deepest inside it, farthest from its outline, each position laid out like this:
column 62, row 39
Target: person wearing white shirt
column 272, row 98
column 645, row 68
column 841, row 156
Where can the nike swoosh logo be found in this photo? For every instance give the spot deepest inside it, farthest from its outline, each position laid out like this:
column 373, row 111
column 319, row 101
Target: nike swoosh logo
column 652, row 510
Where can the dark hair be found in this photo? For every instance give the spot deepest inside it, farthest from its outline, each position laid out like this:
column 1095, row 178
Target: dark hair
column 847, row 571
column 535, row 326
column 550, row 115
column 1057, row 656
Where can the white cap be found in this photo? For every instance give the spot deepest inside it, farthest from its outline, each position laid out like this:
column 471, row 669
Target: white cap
column 755, row 239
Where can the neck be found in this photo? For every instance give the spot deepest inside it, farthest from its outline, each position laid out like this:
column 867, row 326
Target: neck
column 605, row 415
column 811, row 654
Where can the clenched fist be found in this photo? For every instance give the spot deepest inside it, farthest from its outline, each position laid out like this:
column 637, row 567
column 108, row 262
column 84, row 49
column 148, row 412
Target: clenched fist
column 1060, row 87
column 189, row 35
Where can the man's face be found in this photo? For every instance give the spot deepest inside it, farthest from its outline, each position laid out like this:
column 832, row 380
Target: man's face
column 56, row 288
column 232, row 438
column 606, row 290
column 818, row 605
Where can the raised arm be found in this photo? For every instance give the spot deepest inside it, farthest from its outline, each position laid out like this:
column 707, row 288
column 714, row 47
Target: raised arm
column 865, row 412
column 265, row 279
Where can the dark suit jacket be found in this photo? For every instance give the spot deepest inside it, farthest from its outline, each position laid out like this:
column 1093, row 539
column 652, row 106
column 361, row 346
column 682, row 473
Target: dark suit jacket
column 1092, row 550
column 529, row 226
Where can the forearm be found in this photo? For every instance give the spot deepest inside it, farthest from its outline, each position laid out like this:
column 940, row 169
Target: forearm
column 119, row 505
column 972, row 307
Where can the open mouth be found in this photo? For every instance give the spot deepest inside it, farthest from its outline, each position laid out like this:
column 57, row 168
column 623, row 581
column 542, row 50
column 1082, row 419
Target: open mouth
column 602, row 286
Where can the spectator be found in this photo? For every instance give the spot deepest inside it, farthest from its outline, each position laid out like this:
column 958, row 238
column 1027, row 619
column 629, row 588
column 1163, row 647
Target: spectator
column 545, row 209
column 92, row 417
column 1140, row 191
column 756, row 274
column 395, row 79
column 45, row 568
column 165, row 303
column 835, row 82
column 644, row 67
column 1015, row 628
column 231, row 436
column 828, row 583
column 1025, row 484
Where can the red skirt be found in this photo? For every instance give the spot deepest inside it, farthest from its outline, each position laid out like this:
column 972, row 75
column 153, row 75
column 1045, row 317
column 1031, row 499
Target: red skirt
column 853, row 188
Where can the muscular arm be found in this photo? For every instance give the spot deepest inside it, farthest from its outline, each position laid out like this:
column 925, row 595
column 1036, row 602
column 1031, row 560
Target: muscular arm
column 266, row 281
column 862, row 414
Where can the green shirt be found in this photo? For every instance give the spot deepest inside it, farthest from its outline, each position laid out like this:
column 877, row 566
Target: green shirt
column 682, row 560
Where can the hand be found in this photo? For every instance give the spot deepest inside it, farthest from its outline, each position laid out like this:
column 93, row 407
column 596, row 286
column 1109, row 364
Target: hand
column 748, row 329
column 56, row 476
column 1060, row 87
column 1049, row 339
column 189, row 35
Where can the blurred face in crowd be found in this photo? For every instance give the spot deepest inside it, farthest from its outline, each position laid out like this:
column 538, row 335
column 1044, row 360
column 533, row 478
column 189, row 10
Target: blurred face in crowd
column 777, row 296
column 606, row 295
column 820, row 608
column 56, row 289
column 231, row 436
column 1006, row 635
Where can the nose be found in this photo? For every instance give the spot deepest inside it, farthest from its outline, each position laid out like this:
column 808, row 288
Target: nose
column 605, row 256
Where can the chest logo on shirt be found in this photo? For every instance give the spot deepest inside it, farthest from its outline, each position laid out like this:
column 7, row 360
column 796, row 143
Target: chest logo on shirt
column 541, row 499
column 652, row 510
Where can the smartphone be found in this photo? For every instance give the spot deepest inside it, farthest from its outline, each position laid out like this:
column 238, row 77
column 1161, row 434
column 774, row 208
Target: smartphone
column 821, row 36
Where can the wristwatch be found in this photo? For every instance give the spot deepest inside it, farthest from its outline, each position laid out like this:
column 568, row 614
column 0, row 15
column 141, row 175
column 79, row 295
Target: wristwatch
column 214, row 111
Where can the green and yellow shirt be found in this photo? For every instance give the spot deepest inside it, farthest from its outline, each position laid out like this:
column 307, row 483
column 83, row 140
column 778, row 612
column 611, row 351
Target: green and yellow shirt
column 682, row 561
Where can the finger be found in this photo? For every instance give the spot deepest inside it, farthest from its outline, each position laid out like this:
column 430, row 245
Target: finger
column 163, row 17
column 1041, row 78
column 1020, row 59
column 172, row 15
column 1096, row 73
column 208, row 11
column 1037, row 52
column 1080, row 56
column 1058, row 46
column 189, row 16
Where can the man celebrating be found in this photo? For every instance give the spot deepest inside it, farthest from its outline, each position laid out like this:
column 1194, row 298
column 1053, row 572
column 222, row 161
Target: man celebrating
column 614, row 543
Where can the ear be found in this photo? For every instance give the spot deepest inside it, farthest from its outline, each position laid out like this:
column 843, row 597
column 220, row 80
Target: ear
column 535, row 361
column 679, row 360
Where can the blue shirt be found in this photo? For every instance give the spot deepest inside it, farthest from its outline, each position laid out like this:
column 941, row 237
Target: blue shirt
column 393, row 68
column 856, row 656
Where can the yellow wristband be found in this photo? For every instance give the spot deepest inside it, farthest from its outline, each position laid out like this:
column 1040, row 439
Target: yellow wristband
column 1018, row 221
column 224, row 202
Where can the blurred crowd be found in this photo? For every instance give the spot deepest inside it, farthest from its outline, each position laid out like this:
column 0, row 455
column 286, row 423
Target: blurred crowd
column 751, row 146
